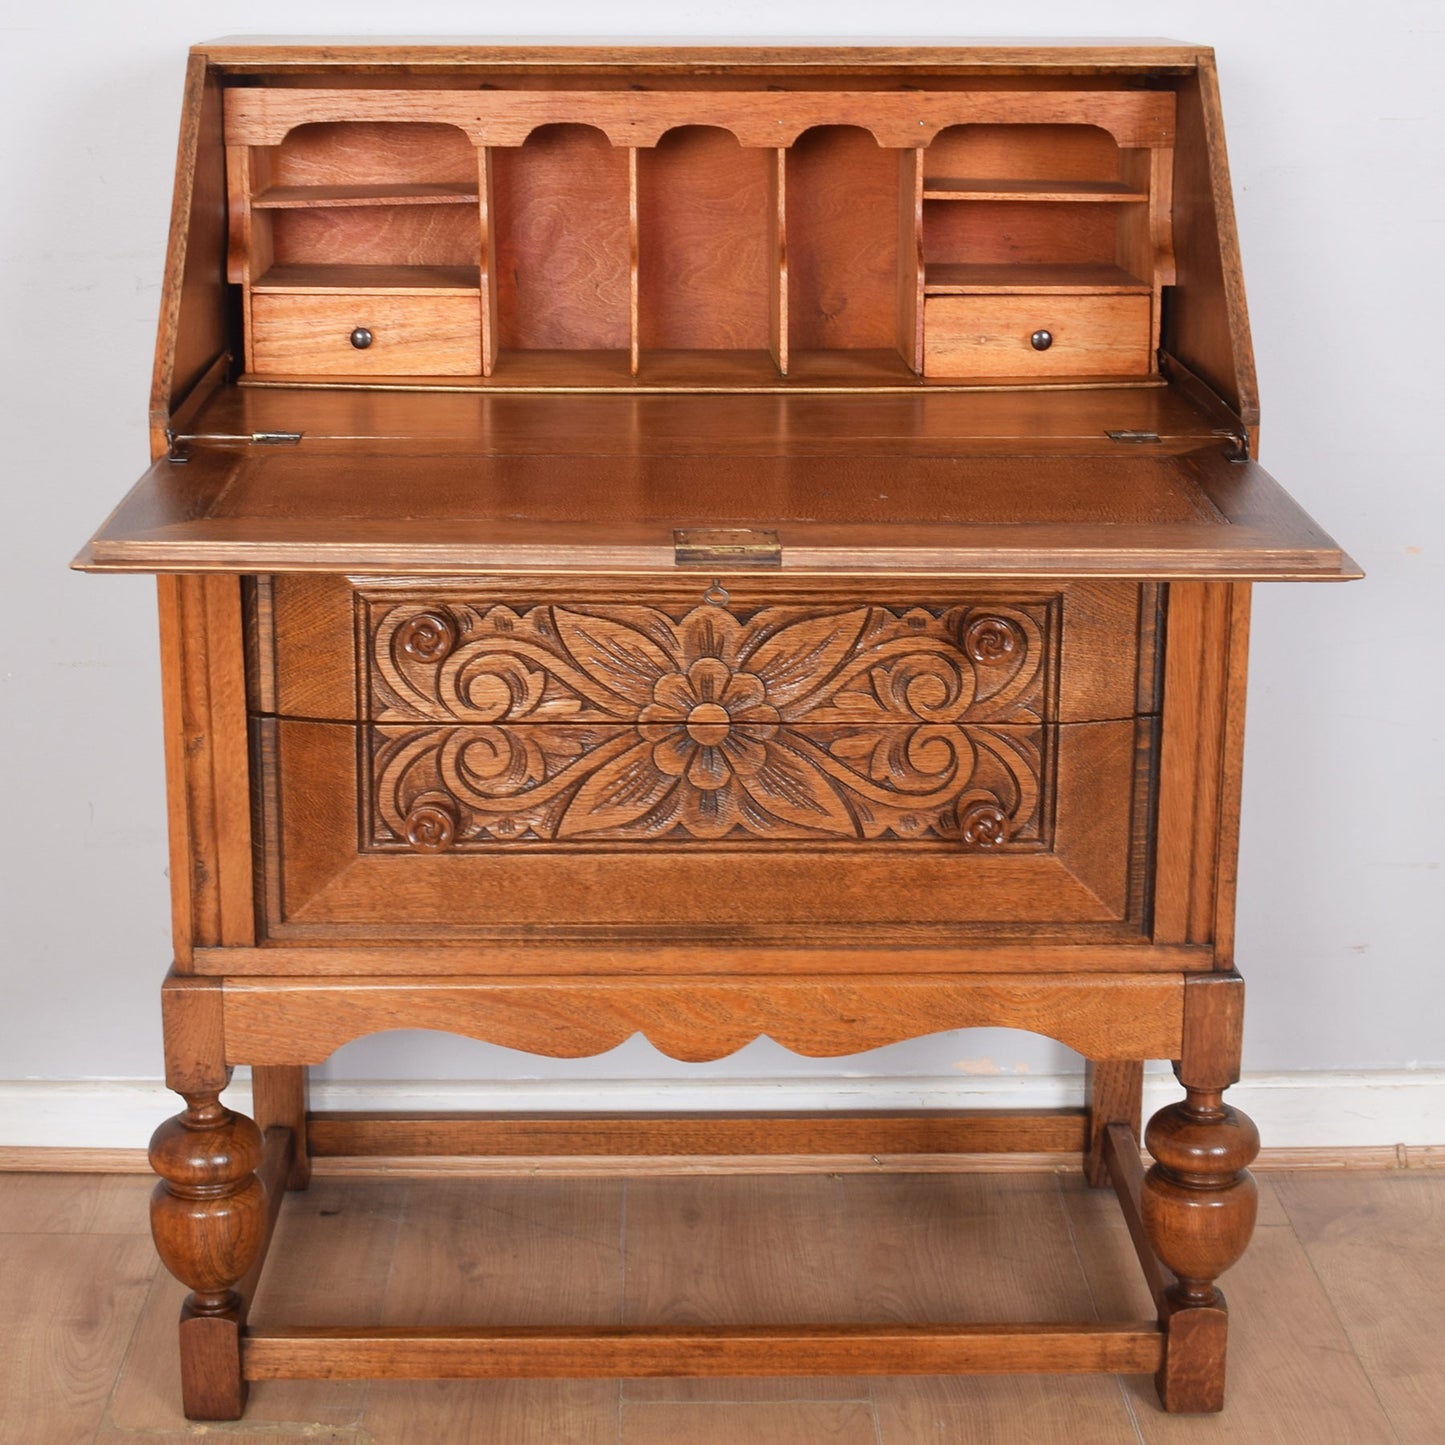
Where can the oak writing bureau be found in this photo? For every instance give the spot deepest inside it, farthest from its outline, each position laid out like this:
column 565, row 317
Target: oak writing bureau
column 706, row 542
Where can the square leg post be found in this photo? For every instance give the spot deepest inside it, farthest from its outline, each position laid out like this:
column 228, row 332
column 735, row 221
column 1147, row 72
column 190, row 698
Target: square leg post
column 1114, row 1094
column 279, row 1094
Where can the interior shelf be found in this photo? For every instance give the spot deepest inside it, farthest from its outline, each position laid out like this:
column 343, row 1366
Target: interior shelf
column 944, row 188
column 965, row 278
column 429, row 280
column 282, row 198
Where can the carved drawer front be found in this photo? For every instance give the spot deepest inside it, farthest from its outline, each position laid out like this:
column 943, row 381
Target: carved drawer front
column 705, row 667
column 488, row 760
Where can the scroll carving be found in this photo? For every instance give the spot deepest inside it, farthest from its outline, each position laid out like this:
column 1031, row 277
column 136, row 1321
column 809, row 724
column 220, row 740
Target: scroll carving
column 726, row 771
column 627, row 724
column 491, row 663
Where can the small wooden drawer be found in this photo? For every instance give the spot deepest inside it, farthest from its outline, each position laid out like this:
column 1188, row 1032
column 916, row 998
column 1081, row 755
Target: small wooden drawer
column 366, row 334
column 994, row 336
column 476, row 659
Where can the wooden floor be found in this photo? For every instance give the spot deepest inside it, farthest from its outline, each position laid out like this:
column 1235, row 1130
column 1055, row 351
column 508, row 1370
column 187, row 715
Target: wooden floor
column 1338, row 1331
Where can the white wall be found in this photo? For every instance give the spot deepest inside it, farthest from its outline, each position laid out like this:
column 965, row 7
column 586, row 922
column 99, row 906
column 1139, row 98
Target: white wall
column 1335, row 136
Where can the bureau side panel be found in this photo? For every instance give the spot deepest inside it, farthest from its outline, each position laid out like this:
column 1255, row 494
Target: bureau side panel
column 1206, row 324
column 1200, row 765
column 193, row 322
column 207, row 763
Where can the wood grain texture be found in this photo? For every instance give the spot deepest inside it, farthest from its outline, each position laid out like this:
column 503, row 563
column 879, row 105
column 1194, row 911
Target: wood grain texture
column 1027, row 955
column 418, row 334
column 554, row 798
column 946, row 1132
column 195, row 1034
column 977, row 57
column 379, row 234
column 263, row 116
column 280, row 1098
column 341, row 1235
column 295, row 1021
column 910, row 259
column 1374, row 1245
column 1114, row 1095
column 482, row 651
column 207, row 762
column 788, row 1422
column 1293, row 1377
column 62, row 1344
column 979, row 336
column 1208, row 323
column 706, row 267
column 193, row 324
column 794, row 890
column 995, row 1249
column 843, row 236
column 1296, row 1377
column 561, row 218
column 1201, row 763
column 1145, row 516
column 62, row 1200
column 491, row 1352
column 935, row 421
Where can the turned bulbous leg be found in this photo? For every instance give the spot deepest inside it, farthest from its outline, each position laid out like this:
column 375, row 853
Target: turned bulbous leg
column 208, row 1217
column 1199, row 1204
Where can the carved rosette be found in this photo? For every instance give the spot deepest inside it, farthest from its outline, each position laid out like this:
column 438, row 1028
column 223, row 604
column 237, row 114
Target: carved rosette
column 627, row 724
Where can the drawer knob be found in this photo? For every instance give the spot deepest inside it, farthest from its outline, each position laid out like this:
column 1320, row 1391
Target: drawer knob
column 992, row 641
column 982, row 826
column 361, row 338
column 1041, row 340
column 431, row 827
column 427, row 637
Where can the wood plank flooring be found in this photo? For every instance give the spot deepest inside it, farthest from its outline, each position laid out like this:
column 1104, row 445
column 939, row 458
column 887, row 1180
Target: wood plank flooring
column 1338, row 1335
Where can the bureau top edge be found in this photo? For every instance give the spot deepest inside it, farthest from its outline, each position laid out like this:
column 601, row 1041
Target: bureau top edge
column 239, row 54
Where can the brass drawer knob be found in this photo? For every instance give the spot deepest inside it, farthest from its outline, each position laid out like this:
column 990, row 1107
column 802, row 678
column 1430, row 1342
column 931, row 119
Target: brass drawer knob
column 1041, row 340
column 361, row 338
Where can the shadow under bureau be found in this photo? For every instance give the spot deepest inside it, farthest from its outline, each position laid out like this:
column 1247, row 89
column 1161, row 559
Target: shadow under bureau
column 707, row 543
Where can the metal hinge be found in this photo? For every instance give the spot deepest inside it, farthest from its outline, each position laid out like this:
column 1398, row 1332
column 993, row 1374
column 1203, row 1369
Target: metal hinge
column 177, row 452
column 1137, row 438
column 749, row 546
column 1237, row 443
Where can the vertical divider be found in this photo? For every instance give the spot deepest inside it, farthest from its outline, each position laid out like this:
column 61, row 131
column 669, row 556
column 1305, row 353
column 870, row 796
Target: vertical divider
column 634, row 326
column 778, row 293
column 910, row 258
column 487, row 220
column 1146, row 243
column 249, row 249
column 1161, row 229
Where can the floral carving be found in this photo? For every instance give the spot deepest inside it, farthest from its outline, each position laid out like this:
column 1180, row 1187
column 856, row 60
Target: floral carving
column 975, row 785
column 627, row 723
column 481, row 662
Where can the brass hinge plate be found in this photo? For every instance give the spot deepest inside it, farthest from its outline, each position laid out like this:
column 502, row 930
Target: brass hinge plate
column 1134, row 438
column 719, row 546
